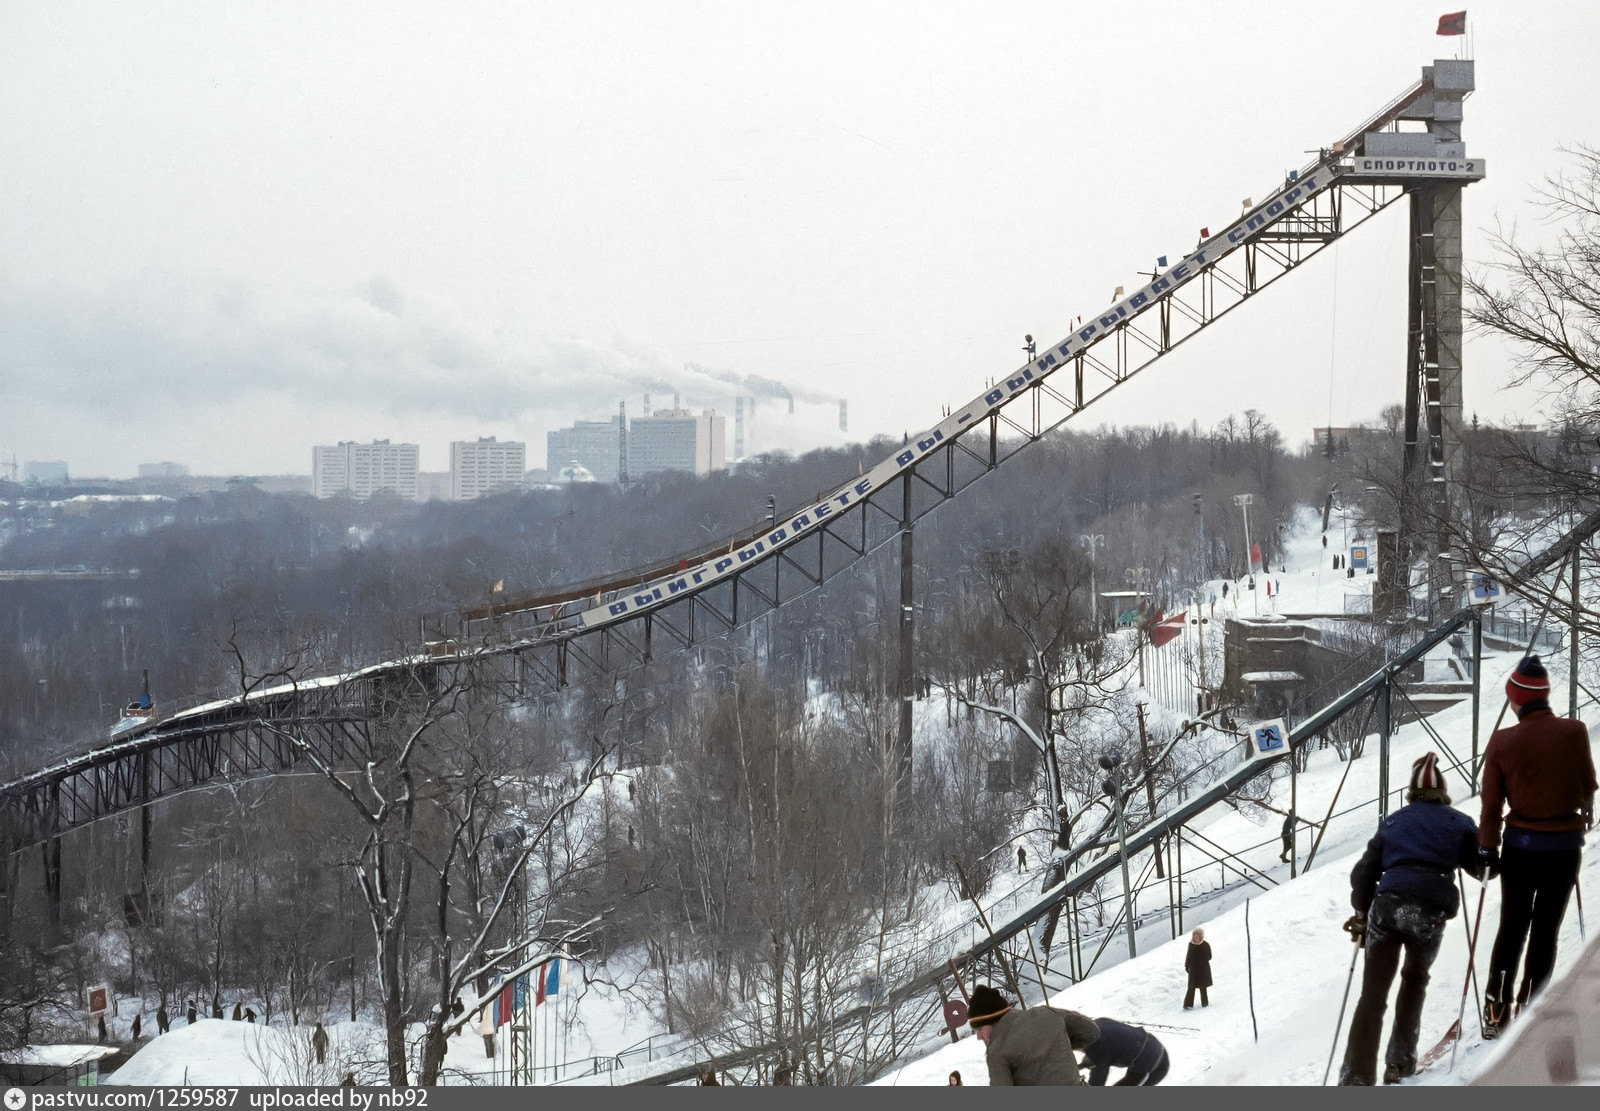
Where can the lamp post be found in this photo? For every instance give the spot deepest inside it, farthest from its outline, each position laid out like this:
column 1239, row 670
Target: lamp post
column 1136, row 577
column 1112, row 762
column 1243, row 502
column 1094, row 540
column 1200, row 621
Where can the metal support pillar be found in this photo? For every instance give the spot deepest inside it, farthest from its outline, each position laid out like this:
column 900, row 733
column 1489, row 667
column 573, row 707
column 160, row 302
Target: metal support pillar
column 1149, row 784
column 1433, row 397
column 1477, row 690
column 144, row 847
column 903, row 681
column 1572, row 638
column 51, row 850
column 1177, row 844
column 1384, row 707
column 1294, row 812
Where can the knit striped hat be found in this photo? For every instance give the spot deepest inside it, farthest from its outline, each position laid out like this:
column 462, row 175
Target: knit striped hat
column 1528, row 682
column 1425, row 774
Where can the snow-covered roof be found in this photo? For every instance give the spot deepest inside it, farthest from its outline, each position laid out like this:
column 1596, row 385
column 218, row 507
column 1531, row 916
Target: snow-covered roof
column 55, row 1056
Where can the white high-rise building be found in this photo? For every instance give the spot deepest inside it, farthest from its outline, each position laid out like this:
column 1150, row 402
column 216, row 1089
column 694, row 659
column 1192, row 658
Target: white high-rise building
column 485, row 466
column 677, row 440
column 361, row 470
column 595, row 445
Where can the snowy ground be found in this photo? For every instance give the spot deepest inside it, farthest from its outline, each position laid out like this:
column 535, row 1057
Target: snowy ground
column 1297, row 957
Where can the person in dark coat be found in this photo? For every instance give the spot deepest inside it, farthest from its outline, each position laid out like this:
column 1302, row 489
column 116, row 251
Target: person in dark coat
column 103, row 1034
column 319, row 1044
column 192, row 1013
column 216, row 1006
column 1542, row 770
column 1032, row 1047
column 1022, row 859
column 708, row 1079
column 238, row 1012
column 1288, row 837
column 1403, row 890
column 955, row 1079
column 1197, row 963
column 1125, row 1047
column 163, row 1023
column 249, row 1014
column 138, row 1023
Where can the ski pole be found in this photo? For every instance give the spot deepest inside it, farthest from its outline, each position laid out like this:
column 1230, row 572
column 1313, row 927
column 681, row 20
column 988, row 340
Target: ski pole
column 1472, row 973
column 1472, row 955
column 1577, row 889
column 1343, row 1003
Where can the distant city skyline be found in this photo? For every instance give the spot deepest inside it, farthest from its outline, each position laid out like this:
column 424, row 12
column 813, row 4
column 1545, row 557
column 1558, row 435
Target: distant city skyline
column 235, row 234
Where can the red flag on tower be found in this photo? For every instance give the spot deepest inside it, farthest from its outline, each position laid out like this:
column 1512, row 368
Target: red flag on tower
column 1255, row 553
column 1454, row 23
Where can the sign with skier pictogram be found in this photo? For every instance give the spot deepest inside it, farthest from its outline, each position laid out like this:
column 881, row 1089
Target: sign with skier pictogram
column 1268, row 738
column 1485, row 590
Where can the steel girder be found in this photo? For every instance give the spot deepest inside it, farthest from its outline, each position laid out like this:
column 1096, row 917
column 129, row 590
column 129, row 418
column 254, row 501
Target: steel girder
column 551, row 656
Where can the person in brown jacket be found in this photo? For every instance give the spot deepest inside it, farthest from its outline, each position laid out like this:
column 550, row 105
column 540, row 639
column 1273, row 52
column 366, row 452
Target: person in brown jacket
column 1028, row 1047
column 1542, row 771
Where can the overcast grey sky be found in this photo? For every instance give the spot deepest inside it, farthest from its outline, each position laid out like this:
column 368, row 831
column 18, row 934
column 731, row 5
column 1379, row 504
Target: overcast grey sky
column 230, row 231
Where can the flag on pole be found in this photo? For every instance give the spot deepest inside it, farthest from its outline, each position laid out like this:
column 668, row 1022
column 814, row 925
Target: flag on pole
column 1453, row 23
column 1255, row 553
column 489, row 1019
column 538, row 980
column 502, row 1005
column 552, row 983
column 519, row 1001
column 1205, row 233
column 1117, row 294
column 1160, row 262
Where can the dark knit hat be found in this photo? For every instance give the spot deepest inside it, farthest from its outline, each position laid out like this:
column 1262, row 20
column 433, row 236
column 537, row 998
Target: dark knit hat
column 987, row 1006
column 1528, row 683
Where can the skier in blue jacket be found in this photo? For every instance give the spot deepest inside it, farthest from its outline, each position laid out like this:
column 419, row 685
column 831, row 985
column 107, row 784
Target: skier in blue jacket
column 1403, row 889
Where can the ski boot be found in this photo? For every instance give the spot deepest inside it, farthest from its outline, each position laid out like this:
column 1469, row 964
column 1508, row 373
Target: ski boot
column 1393, row 1075
column 1495, row 1014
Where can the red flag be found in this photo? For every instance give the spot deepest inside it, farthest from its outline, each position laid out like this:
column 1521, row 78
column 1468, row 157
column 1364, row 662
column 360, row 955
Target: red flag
column 1169, row 629
column 1205, row 233
column 1453, row 23
column 538, row 995
column 1255, row 553
column 502, row 1009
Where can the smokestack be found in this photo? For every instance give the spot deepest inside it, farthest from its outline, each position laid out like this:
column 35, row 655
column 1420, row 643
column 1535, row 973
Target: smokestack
column 738, row 427
column 675, row 404
column 844, row 421
column 622, row 443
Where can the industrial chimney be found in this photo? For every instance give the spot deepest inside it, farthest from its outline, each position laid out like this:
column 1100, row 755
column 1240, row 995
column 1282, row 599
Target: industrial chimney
column 844, row 422
column 622, row 443
column 738, row 427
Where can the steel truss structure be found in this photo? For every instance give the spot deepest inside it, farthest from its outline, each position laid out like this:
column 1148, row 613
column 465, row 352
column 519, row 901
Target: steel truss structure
column 549, row 658
column 1006, row 952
